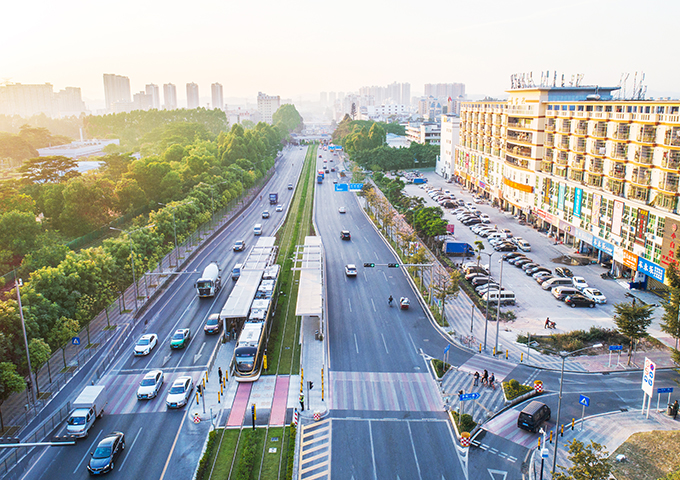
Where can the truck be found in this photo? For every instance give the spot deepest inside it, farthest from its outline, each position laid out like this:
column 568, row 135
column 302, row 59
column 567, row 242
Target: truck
column 210, row 282
column 88, row 407
column 458, row 249
column 319, row 176
column 419, row 181
column 273, row 198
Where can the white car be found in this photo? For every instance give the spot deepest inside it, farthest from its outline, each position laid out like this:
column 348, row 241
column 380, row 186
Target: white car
column 145, row 344
column 485, row 218
column 342, row 210
column 595, row 295
column 579, row 282
column 180, row 392
column 279, row 208
column 150, row 385
column 351, row 270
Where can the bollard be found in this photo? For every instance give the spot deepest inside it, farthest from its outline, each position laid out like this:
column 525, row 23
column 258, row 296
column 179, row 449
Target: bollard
column 506, row 353
column 203, row 383
column 480, row 348
column 521, row 358
column 562, row 430
column 539, row 444
column 494, row 351
column 196, row 398
column 221, row 387
column 551, row 432
column 572, row 423
column 218, row 397
column 206, row 379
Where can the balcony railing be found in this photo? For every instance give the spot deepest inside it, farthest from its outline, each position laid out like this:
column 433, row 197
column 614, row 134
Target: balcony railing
column 576, row 175
column 594, row 181
column 580, row 146
column 638, row 193
column 669, row 185
column 561, row 159
column 578, row 162
column 614, row 186
column 617, row 173
column 600, row 131
column 642, row 178
column 599, row 148
column 647, row 137
column 671, row 159
column 620, row 153
column 581, row 130
column 644, row 156
column 550, row 127
column 596, row 166
column 622, row 134
column 672, row 138
column 546, row 167
column 516, row 161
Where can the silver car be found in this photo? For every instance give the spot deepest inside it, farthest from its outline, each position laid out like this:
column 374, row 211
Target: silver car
column 150, row 385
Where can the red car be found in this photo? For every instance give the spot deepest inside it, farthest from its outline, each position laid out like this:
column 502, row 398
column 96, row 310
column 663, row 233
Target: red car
column 404, row 303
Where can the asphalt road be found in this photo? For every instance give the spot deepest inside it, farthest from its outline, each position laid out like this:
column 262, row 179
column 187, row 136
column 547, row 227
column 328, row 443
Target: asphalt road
column 165, row 443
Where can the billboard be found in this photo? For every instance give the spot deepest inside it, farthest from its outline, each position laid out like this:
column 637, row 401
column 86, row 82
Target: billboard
column 617, row 217
column 578, row 198
column 597, row 203
column 670, row 244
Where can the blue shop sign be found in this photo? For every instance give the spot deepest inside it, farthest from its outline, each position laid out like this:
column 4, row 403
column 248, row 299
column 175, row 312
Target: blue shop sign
column 606, row 247
column 578, row 198
column 651, row 269
column 560, row 196
column 583, row 235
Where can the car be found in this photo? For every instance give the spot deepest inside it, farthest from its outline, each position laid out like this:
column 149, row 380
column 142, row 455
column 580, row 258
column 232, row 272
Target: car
column 579, row 282
column 458, row 210
column 145, row 344
column 485, row 218
column 530, row 265
column 335, row 182
column 107, row 451
column 544, row 278
column 523, row 261
column 345, row 235
column 532, row 271
column 290, row 186
column 475, row 273
column 505, row 247
column 578, row 300
column 560, row 293
column 351, row 270
column 265, row 214
column 496, row 241
column 180, row 392
column 342, row 210
column 506, row 231
column 279, row 208
column 563, row 272
column 320, row 155
column 239, row 245
column 594, row 294
column 485, row 232
column 515, row 240
column 325, row 161
column 489, row 287
column 150, row 385
column 541, row 273
column 180, row 338
column 481, row 280
column 332, row 169
column 326, row 170
column 213, row 324
column 475, row 269
column 471, row 221
column 509, row 256
column 516, row 259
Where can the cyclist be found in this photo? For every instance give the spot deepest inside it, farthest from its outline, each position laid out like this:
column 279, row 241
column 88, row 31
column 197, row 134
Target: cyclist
column 389, row 300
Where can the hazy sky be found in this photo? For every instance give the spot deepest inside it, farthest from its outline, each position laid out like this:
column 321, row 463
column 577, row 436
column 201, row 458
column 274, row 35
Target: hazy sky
column 300, row 48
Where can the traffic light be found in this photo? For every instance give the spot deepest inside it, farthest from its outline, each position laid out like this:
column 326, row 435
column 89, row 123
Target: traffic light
column 369, row 265
column 310, row 385
column 392, row 265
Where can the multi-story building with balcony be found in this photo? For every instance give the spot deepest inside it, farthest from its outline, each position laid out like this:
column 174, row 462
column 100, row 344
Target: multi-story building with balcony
column 603, row 174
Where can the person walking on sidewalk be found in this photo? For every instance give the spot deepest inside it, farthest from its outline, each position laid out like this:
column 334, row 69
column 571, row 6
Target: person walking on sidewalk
column 675, row 409
column 492, row 379
column 485, row 378
column 476, row 384
column 219, row 374
column 547, row 323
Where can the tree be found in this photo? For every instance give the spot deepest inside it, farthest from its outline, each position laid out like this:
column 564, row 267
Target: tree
column 40, row 353
column 10, row 382
column 288, row 119
column 632, row 320
column 54, row 169
column 589, row 462
column 445, row 284
column 670, row 321
column 18, row 231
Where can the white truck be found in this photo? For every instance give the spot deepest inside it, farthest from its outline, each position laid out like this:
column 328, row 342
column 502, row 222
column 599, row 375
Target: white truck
column 210, row 282
column 86, row 409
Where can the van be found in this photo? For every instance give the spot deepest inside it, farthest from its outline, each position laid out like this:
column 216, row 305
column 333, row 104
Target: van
column 523, row 245
column 257, row 230
column 557, row 282
column 533, row 415
column 236, row 271
column 499, row 235
column 505, row 297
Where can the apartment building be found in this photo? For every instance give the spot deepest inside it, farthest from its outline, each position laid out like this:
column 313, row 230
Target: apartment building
column 170, row 96
column 426, row 132
column 217, row 96
column 267, row 105
column 601, row 173
column 117, row 92
column 192, row 96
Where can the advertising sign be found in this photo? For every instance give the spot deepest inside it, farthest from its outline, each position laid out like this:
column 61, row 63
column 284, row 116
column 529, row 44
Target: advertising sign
column 617, row 217
column 648, row 377
column 578, row 198
column 597, row 203
column 606, row 247
column 670, row 242
column 651, row 269
column 641, row 226
column 630, row 260
column 560, row 196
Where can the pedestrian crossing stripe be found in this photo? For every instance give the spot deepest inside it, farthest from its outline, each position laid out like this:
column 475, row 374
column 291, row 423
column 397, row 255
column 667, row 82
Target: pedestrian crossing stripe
column 315, row 451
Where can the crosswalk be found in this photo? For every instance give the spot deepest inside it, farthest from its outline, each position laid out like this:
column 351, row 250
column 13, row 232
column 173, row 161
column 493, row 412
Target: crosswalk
column 315, row 451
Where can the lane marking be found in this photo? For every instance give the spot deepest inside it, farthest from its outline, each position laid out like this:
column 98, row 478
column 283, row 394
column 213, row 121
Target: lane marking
column 87, row 452
column 413, row 447
column 372, row 303
column 130, row 449
column 355, row 342
column 370, row 435
column 179, row 430
column 350, row 304
column 384, row 343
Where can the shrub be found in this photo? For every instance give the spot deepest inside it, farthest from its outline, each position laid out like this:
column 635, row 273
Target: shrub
column 465, row 422
column 440, row 367
column 247, row 460
column 291, row 451
column 514, row 389
column 203, row 463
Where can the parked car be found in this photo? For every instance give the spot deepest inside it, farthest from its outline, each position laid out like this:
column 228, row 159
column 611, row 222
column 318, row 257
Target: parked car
column 507, row 232
column 560, row 293
column 482, row 289
column 523, row 261
column 579, row 300
column 531, row 271
column 563, row 272
column 540, row 273
column 107, row 451
column 594, row 294
column 579, row 282
column 471, row 221
column 505, row 247
column 485, row 218
column 471, row 276
column 483, row 280
column 544, row 278
column 509, row 256
column 475, row 269
column 519, row 258
column 530, row 265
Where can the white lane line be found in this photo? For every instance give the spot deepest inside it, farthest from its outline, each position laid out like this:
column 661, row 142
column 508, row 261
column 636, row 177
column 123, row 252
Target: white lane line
column 372, row 303
column 87, row 452
column 356, row 344
column 350, row 304
column 370, row 435
column 413, row 343
column 384, row 343
column 413, row 446
column 384, row 276
column 130, row 449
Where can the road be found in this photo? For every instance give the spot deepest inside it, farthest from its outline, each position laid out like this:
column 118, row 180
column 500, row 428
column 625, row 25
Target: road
column 165, row 443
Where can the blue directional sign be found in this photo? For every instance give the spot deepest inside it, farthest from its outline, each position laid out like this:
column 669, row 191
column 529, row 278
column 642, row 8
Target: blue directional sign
column 447, row 348
column 75, row 340
column 355, row 187
column 468, row 396
column 664, row 390
column 341, row 187
column 585, row 401
column 613, row 348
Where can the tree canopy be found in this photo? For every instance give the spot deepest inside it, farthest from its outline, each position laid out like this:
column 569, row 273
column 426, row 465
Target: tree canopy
column 288, row 119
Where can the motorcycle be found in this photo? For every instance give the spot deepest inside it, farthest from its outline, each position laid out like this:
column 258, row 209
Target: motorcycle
column 606, row 275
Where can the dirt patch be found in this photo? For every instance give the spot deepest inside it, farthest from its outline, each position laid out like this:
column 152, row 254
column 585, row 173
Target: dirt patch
column 650, row 455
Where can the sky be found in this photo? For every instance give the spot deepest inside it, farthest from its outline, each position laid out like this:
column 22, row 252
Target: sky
column 297, row 49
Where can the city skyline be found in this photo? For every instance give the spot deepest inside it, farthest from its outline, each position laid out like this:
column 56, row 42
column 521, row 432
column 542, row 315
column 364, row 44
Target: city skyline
column 480, row 46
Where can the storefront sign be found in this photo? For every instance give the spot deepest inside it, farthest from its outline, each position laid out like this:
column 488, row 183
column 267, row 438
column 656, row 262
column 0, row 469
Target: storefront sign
column 641, row 226
column 670, row 244
column 583, row 235
column 518, row 186
column 630, row 260
column 566, row 227
column 617, row 217
column 595, row 215
column 560, row 196
column 578, row 198
column 651, row 269
column 606, row 247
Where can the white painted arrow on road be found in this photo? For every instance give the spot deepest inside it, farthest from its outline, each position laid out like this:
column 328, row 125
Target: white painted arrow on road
column 198, row 355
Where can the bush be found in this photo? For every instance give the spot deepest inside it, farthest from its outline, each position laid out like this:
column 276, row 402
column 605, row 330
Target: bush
column 514, row 389
column 247, row 460
column 203, row 463
column 465, row 422
column 440, row 367
column 291, row 451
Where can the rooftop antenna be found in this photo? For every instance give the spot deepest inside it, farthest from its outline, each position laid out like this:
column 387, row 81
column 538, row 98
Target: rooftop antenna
column 555, row 78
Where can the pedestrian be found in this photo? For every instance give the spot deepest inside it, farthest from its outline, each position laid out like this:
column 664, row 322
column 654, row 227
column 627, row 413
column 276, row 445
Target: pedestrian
column 492, row 379
column 302, row 401
column 675, row 410
column 476, row 379
column 547, row 323
column 219, row 374
column 485, row 378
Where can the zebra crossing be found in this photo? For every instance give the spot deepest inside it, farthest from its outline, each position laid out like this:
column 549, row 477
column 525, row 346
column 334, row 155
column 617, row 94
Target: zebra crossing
column 490, row 400
column 315, row 451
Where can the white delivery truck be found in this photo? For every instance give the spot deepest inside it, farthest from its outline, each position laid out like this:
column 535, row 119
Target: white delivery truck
column 210, row 282
column 85, row 410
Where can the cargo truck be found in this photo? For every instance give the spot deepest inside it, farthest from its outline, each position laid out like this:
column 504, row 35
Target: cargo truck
column 273, row 198
column 210, row 282
column 458, row 249
column 86, row 409
column 319, row 176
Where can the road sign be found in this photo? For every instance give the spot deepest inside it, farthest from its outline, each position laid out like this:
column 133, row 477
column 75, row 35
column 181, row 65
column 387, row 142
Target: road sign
column 664, row 390
column 544, row 453
column 613, row 348
column 75, row 340
column 341, row 187
column 468, row 396
column 447, row 348
column 585, row 401
column 648, row 377
column 355, row 187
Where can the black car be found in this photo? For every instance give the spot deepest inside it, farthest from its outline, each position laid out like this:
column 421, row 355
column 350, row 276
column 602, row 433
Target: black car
column 106, row 452
column 505, row 247
column 522, row 261
column 509, row 256
column 345, row 235
column 564, row 272
column 578, row 300
column 531, row 271
column 472, row 221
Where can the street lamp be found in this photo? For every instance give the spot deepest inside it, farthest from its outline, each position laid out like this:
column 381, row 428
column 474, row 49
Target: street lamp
column 174, row 226
column 212, row 199
column 132, row 256
column 486, row 323
column 18, row 283
column 498, row 305
column 564, row 356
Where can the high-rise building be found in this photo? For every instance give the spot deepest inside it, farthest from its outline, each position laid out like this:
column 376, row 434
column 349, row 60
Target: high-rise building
column 332, row 96
column 27, row 100
column 217, row 96
column 603, row 175
column 170, row 96
column 155, row 93
column 70, row 101
column 442, row 91
column 116, row 90
column 323, row 98
column 192, row 96
column 142, row 101
column 267, row 105
column 405, row 94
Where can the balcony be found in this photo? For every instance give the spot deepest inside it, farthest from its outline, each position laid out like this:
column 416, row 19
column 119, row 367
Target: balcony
column 671, row 159
column 519, row 150
column 562, row 159
column 596, row 165
column 622, row 133
column 666, row 202
column 670, row 183
column 550, row 126
column 618, row 172
column 599, row 148
column 550, row 140
column 578, row 162
column 581, row 128
column 644, row 155
column 594, row 180
column 580, row 145
column 642, row 176
column 638, row 193
column 614, row 186
column 565, row 126
column 517, row 162
column 564, row 142
column 600, row 130
column 576, row 175
column 620, row 152
column 672, row 137
column 560, row 171
column 546, row 167
column 647, row 135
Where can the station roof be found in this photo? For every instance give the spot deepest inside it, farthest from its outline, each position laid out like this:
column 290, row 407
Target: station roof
column 310, row 291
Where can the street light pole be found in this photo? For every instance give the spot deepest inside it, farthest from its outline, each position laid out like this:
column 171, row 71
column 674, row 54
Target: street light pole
column 564, row 356
column 18, row 283
column 174, row 228
column 498, row 306
column 132, row 257
column 486, row 323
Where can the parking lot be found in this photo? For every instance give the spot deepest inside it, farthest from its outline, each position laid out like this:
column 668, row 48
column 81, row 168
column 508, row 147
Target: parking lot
column 534, row 304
